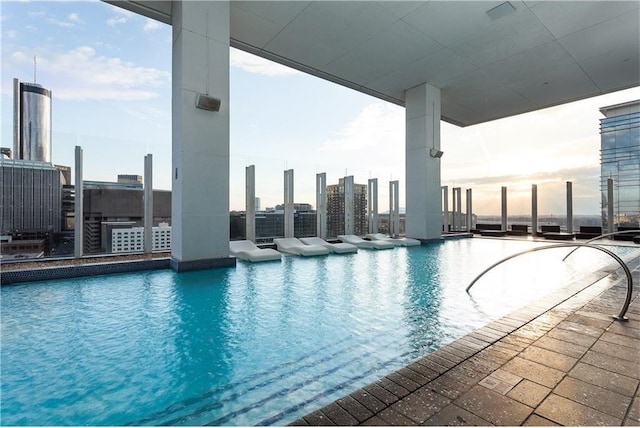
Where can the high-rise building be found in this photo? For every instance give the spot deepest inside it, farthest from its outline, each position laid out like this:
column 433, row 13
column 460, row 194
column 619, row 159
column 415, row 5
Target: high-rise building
column 336, row 206
column 31, row 197
column 620, row 161
column 31, row 122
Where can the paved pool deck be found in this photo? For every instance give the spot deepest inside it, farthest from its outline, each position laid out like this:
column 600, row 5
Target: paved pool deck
column 562, row 360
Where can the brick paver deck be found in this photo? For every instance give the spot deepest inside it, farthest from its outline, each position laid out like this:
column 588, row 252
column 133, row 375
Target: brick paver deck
column 562, row 360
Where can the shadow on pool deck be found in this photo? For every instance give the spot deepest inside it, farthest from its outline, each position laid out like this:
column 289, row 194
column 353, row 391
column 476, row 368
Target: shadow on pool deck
column 562, row 360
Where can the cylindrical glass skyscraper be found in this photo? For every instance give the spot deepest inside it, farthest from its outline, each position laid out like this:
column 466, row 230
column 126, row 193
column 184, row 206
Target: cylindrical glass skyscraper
column 32, row 122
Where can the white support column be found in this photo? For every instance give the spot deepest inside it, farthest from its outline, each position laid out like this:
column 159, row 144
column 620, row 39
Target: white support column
column 469, row 210
column 503, row 211
column 78, row 221
column 569, row 207
column 148, row 203
column 457, row 209
column 394, row 209
column 372, row 208
column 348, row 205
column 423, row 197
column 200, row 142
column 445, row 208
column 610, row 205
column 534, row 209
column 321, row 205
column 288, row 204
column 250, row 202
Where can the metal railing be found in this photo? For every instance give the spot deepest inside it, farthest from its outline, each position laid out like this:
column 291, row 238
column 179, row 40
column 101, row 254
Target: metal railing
column 604, row 235
column 625, row 307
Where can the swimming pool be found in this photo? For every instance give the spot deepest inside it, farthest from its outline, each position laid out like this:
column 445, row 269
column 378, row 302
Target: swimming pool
column 255, row 345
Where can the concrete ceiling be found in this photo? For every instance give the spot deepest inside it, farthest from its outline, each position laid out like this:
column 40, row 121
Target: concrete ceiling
column 490, row 59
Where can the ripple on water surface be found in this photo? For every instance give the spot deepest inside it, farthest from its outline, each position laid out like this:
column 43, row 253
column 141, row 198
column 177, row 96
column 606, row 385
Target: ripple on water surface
column 256, row 344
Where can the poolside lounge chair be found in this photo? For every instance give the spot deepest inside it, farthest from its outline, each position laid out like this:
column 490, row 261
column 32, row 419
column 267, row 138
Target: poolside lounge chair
column 398, row 242
column 361, row 243
column 247, row 250
column 340, row 248
column 294, row 246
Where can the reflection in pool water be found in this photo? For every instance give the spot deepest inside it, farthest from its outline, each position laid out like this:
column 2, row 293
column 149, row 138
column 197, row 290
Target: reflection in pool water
column 258, row 344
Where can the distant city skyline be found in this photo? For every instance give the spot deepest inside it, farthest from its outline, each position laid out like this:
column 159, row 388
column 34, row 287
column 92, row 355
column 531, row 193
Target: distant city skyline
column 109, row 71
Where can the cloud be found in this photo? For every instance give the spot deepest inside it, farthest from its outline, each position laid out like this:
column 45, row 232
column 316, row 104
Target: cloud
column 151, row 25
column 12, row 34
column 115, row 20
column 377, row 126
column 70, row 21
column 74, row 17
column 254, row 64
column 83, row 74
column 121, row 16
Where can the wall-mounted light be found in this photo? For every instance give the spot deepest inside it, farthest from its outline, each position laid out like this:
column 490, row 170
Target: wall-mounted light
column 435, row 153
column 206, row 102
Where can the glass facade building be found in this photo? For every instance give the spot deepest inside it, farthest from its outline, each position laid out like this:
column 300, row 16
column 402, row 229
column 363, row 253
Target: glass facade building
column 32, row 122
column 620, row 161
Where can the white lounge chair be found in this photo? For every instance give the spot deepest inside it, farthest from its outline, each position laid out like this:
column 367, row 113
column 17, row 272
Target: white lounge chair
column 340, row 248
column 399, row 242
column 294, row 246
column 361, row 243
column 247, row 250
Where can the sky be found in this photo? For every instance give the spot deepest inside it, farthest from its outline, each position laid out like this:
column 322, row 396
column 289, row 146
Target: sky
column 109, row 71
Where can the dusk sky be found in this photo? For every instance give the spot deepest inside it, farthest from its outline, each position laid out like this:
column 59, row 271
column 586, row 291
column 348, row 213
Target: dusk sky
column 110, row 74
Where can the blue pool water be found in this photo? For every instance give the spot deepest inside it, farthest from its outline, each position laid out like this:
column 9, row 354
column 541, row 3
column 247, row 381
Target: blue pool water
column 258, row 344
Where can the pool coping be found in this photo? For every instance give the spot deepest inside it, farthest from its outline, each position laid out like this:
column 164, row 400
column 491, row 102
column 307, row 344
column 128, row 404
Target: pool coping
column 549, row 363
column 17, row 276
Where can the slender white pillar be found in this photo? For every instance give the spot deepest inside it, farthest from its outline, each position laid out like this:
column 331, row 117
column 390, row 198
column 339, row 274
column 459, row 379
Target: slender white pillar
column 569, row 207
column 372, row 205
column 200, row 141
column 503, row 211
column 423, row 197
column 321, row 205
column 288, row 204
column 250, row 202
column 610, row 205
column 534, row 209
column 78, row 221
column 348, row 205
column 394, row 209
column 445, row 208
column 457, row 209
column 148, row 203
column 469, row 210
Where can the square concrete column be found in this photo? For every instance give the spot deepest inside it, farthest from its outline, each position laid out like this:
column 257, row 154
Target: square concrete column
column 394, row 209
column 78, row 220
column 148, row 203
column 372, row 205
column 457, row 208
column 569, row 207
column 288, row 204
column 610, row 213
column 422, row 145
column 321, row 205
column 250, row 202
column 469, row 210
column 503, row 208
column 534, row 209
column 348, row 205
column 445, row 208
column 200, row 141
